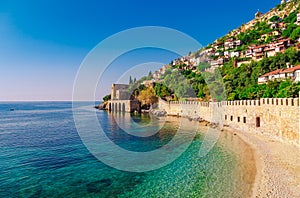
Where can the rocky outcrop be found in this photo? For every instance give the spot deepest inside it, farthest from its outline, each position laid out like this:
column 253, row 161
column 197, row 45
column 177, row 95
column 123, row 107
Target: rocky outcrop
column 102, row 106
column 158, row 113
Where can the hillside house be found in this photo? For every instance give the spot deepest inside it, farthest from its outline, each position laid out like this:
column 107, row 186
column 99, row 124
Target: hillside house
column 249, row 51
column 228, row 54
column 269, row 76
column 218, row 63
column 163, row 69
column 208, row 50
column 156, row 75
column 270, row 50
column 195, row 61
column 219, row 54
column 218, row 45
column 292, row 73
column 231, row 44
column 276, row 33
column 274, row 26
column 282, row 45
column 259, row 52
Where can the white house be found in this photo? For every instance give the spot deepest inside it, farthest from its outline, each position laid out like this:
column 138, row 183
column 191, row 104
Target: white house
column 293, row 73
column 297, row 76
column 234, row 54
column 281, row 74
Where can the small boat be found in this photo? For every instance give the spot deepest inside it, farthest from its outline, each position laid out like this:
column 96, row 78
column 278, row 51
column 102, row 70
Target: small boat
column 11, row 109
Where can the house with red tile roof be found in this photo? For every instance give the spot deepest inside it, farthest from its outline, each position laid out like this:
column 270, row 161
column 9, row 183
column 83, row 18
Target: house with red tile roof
column 281, row 74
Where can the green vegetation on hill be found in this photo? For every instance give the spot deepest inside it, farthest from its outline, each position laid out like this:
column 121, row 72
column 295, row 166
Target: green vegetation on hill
column 241, row 82
column 253, row 35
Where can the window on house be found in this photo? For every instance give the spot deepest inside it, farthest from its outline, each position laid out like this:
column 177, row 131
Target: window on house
column 231, row 118
column 238, row 119
column 244, row 119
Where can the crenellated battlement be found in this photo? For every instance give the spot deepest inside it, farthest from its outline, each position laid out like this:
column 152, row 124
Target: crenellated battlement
column 264, row 101
column 204, row 104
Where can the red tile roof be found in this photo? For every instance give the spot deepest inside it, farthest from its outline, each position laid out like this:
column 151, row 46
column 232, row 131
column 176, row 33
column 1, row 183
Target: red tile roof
column 279, row 71
column 260, row 46
column 289, row 70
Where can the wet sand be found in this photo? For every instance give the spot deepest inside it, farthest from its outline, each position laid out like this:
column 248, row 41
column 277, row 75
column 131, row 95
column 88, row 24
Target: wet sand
column 277, row 164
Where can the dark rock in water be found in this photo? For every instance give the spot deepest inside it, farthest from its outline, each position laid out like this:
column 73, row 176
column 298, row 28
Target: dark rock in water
column 97, row 186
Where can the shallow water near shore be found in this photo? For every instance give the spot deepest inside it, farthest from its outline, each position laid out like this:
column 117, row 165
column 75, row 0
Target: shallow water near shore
column 42, row 155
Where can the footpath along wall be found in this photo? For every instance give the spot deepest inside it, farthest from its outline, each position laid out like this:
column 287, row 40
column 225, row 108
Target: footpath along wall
column 278, row 118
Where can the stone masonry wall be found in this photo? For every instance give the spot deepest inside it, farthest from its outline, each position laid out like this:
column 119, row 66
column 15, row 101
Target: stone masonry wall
column 124, row 105
column 278, row 118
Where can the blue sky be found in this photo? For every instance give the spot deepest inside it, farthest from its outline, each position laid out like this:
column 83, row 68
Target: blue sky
column 42, row 43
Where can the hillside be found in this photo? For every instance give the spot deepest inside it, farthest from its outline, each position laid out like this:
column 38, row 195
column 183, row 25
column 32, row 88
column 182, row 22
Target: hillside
column 257, row 60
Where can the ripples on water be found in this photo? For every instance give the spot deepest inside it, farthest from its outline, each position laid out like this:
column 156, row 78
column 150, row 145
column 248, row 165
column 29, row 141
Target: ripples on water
column 42, row 155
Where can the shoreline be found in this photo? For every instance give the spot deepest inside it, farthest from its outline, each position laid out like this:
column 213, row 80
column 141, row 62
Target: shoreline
column 277, row 164
column 245, row 156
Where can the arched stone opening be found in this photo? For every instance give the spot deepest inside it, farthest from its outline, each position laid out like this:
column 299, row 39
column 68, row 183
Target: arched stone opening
column 123, row 107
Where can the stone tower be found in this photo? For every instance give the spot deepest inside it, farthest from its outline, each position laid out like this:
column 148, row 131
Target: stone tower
column 282, row 1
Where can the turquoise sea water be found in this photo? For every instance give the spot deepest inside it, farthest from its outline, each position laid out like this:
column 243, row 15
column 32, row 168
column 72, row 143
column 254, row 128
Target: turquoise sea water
column 42, row 155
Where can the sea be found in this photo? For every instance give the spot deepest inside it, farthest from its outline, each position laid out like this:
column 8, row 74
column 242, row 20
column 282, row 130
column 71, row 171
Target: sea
column 42, row 154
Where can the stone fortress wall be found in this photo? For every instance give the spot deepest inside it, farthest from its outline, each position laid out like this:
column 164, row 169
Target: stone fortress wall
column 278, row 118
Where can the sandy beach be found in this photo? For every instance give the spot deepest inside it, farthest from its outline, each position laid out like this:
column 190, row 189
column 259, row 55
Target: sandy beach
column 277, row 164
